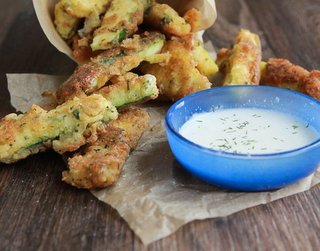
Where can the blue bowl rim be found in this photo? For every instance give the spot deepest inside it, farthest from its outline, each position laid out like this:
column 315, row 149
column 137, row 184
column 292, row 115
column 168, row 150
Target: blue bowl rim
column 239, row 155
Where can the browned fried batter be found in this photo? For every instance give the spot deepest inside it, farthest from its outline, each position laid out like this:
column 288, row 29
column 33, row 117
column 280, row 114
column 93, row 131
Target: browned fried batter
column 134, row 121
column 166, row 19
column 81, row 50
column 242, row 65
column 64, row 129
column 222, row 56
column 193, row 17
column 102, row 161
column 279, row 71
column 130, row 88
column 113, row 62
column 180, row 76
column 91, row 76
column 282, row 73
column 119, row 22
column 311, row 84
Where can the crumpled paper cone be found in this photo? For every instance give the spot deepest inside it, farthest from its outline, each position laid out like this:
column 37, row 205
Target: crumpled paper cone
column 154, row 194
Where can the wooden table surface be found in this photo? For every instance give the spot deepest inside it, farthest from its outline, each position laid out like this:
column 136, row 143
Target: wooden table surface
column 39, row 212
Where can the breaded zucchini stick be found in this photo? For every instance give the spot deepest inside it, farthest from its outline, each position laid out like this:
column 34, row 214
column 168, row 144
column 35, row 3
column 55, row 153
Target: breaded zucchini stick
column 166, row 19
column 92, row 21
column 66, row 24
column 120, row 21
column 180, row 76
column 72, row 124
column 282, row 73
column 81, row 50
column 62, row 128
column 130, row 88
column 101, row 162
column 205, row 64
column 311, row 85
column 114, row 62
column 69, row 12
column 193, row 17
column 242, row 67
column 83, row 8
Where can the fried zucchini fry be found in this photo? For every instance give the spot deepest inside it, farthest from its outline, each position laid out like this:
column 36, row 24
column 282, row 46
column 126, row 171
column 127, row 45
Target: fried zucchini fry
column 71, row 125
column 205, row 64
column 102, row 161
column 166, row 19
column 180, row 76
column 114, row 62
column 81, row 50
column 91, row 22
column 129, row 89
column 282, row 73
column 62, row 128
column 69, row 12
column 242, row 67
column 120, row 21
column 193, row 17
column 66, row 24
column 83, row 8
column 311, row 85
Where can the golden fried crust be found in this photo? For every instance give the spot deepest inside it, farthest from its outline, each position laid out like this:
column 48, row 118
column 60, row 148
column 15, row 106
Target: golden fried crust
column 166, row 19
column 92, row 19
column 134, row 122
column 222, row 56
column 282, row 73
column 120, row 21
column 92, row 76
column 102, row 161
column 63, row 129
column 279, row 71
column 311, row 84
column 68, row 14
column 205, row 64
column 9, row 129
column 82, row 54
column 81, row 50
column 243, row 63
column 65, row 23
column 130, row 88
column 180, row 76
column 193, row 17
column 83, row 8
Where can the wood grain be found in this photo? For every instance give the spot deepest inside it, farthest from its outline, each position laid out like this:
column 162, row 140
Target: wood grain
column 39, row 212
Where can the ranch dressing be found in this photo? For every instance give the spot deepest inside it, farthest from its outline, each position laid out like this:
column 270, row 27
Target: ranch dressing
column 248, row 131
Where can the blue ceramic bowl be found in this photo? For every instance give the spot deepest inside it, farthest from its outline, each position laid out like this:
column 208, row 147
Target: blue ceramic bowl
column 256, row 172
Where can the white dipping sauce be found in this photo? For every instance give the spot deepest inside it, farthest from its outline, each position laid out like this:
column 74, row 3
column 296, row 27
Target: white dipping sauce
column 248, row 131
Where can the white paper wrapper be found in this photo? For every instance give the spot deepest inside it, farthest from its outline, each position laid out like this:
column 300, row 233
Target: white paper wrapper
column 155, row 195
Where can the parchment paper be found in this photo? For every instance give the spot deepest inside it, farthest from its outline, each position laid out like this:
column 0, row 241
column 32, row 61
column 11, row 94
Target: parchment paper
column 155, row 195
column 44, row 11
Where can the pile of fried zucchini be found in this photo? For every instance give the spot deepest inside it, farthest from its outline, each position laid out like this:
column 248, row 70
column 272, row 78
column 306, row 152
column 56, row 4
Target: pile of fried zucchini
column 130, row 51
